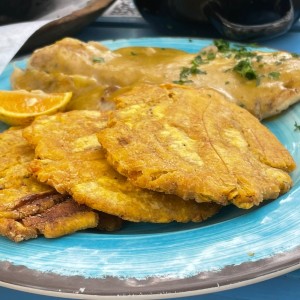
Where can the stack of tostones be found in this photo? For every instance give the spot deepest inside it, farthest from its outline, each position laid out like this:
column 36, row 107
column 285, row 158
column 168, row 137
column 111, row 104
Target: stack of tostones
column 29, row 208
column 70, row 158
column 166, row 153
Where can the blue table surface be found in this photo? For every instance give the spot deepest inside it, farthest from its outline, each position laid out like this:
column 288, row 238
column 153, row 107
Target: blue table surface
column 284, row 287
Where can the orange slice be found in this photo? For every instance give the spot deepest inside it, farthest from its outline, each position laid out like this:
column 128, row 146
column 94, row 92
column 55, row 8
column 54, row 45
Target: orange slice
column 20, row 107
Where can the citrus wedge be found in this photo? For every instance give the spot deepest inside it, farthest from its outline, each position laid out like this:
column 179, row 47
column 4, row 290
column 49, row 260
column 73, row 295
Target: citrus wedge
column 20, row 107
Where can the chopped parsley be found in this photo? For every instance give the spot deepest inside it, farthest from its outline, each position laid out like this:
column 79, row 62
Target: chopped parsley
column 227, row 55
column 259, row 58
column 98, row 59
column 296, row 126
column 240, row 50
column 182, row 81
column 222, row 45
column 211, row 56
column 193, row 70
column 295, row 55
column 186, row 72
column 245, row 69
column 247, row 62
column 198, row 60
column 274, row 75
column 243, row 52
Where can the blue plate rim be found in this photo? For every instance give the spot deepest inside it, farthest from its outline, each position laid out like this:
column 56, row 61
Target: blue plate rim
column 271, row 265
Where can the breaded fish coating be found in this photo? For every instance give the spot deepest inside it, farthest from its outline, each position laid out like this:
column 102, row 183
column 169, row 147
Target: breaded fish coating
column 29, row 208
column 195, row 144
column 70, row 158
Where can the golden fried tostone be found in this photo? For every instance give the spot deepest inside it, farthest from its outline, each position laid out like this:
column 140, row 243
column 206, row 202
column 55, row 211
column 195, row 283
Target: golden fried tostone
column 195, row 144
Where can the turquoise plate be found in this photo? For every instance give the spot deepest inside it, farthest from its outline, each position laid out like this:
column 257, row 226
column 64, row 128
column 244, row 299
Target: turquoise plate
column 232, row 249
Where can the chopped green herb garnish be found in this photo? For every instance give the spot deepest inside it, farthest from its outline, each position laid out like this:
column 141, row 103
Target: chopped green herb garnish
column 295, row 55
column 198, row 60
column 211, row 56
column 274, row 75
column 259, row 58
column 133, row 53
column 243, row 52
column 185, row 72
column 197, row 71
column 182, row 81
column 227, row 55
column 98, row 59
column 245, row 69
column 223, row 46
column 297, row 127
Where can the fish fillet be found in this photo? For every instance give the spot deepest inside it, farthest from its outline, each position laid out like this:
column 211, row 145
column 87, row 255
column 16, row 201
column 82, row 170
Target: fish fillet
column 273, row 87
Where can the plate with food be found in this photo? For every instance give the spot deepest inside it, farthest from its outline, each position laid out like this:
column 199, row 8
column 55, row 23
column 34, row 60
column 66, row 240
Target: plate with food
column 149, row 168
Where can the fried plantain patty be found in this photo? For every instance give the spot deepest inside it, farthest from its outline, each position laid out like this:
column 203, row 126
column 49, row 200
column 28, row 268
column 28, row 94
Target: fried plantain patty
column 195, row 144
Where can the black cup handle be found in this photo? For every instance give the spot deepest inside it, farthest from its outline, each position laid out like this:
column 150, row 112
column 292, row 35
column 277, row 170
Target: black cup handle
column 242, row 32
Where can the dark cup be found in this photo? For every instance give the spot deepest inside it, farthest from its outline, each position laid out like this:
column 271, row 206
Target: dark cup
column 13, row 11
column 242, row 20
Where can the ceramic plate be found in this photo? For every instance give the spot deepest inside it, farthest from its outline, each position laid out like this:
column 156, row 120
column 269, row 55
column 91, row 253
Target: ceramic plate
column 234, row 248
